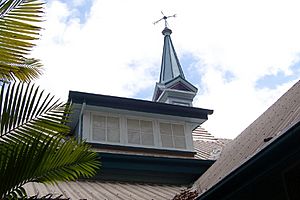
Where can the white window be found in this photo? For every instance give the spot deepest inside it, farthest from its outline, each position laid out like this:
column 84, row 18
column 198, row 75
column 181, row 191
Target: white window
column 140, row 132
column 172, row 135
column 106, row 128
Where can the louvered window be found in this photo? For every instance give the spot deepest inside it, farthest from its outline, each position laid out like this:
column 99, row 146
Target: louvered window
column 140, row 132
column 172, row 135
column 106, row 128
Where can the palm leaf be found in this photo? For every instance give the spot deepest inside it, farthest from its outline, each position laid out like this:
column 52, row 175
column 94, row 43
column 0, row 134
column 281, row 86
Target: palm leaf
column 32, row 141
column 43, row 160
column 16, row 35
column 25, row 106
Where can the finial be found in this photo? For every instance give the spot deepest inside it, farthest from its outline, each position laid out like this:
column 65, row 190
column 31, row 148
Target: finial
column 164, row 18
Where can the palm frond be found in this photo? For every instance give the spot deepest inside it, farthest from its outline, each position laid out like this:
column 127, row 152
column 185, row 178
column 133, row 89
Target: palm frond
column 24, row 106
column 45, row 160
column 33, row 146
column 17, row 34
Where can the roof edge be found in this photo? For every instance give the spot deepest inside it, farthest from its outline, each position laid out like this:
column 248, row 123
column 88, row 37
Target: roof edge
column 138, row 105
column 278, row 143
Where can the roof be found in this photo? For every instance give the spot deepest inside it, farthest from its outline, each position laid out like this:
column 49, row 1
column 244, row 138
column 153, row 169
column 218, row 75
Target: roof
column 206, row 146
column 138, row 105
column 209, row 149
column 264, row 131
column 200, row 133
column 103, row 190
column 170, row 66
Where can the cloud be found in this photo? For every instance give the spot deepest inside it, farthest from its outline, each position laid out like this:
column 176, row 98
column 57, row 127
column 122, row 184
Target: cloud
column 236, row 103
column 116, row 50
column 94, row 57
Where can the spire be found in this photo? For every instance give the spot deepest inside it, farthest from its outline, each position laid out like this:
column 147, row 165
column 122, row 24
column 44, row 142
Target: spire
column 170, row 66
column 172, row 87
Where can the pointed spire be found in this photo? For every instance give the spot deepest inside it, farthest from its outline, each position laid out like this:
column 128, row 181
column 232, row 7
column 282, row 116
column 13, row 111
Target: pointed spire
column 170, row 66
column 172, row 88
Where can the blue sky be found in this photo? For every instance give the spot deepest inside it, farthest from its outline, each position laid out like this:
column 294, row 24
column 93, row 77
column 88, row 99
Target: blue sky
column 271, row 81
column 241, row 55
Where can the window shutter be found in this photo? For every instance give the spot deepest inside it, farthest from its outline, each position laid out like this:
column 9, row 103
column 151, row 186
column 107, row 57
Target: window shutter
column 147, row 132
column 106, row 129
column 99, row 132
column 133, row 129
column 166, row 135
column 140, row 132
column 179, row 137
column 172, row 135
column 113, row 129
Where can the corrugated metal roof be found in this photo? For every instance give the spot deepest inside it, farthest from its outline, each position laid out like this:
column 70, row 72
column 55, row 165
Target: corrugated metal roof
column 262, row 132
column 92, row 190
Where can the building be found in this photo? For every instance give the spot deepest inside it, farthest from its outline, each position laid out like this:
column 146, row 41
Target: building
column 146, row 148
column 158, row 150
column 263, row 162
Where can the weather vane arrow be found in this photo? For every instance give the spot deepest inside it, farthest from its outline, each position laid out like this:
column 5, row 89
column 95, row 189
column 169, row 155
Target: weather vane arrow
column 164, row 18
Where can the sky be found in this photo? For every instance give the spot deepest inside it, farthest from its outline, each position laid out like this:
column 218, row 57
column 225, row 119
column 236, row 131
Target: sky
column 242, row 55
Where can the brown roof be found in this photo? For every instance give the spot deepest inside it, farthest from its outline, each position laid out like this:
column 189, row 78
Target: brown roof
column 284, row 113
column 103, row 190
column 209, row 150
column 206, row 146
column 186, row 194
column 201, row 134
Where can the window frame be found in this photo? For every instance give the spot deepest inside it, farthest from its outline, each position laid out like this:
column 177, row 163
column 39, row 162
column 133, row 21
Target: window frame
column 106, row 115
column 172, row 123
column 140, row 131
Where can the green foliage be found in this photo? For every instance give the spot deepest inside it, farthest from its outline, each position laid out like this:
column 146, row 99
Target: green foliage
column 32, row 141
column 17, row 34
column 33, row 131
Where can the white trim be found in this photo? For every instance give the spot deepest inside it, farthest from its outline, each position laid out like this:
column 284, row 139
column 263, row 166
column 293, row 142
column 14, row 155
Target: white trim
column 86, row 125
column 188, row 136
column 157, row 138
column 80, row 121
column 123, row 126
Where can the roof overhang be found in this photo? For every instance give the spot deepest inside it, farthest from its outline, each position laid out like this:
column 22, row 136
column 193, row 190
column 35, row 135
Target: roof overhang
column 96, row 102
column 138, row 105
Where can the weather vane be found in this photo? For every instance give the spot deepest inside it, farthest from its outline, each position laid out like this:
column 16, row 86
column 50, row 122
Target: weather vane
column 164, row 18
